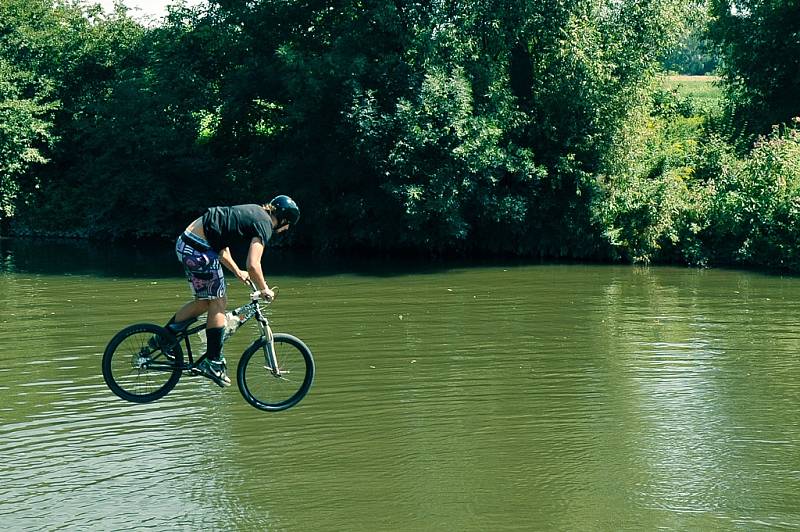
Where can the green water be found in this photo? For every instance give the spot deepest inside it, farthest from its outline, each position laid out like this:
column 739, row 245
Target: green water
column 545, row 397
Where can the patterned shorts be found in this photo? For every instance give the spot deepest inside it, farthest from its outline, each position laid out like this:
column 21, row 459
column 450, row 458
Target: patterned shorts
column 202, row 266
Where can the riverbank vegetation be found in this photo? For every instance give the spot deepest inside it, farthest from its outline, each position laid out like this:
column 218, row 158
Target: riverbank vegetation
column 534, row 129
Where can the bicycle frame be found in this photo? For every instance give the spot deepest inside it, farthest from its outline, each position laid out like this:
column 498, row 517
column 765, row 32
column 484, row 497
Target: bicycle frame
column 245, row 313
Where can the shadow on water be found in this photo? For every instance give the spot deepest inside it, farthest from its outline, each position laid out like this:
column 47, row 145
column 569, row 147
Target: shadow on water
column 81, row 257
column 142, row 259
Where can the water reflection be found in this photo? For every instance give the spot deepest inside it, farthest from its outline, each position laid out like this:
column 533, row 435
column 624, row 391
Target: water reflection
column 539, row 397
column 54, row 256
column 156, row 258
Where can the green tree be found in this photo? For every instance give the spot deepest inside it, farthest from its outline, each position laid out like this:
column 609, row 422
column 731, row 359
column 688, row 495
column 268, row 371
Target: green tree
column 24, row 131
column 130, row 159
column 760, row 44
column 27, row 99
column 439, row 127
column 692, row 57
column 511, row 110
column 692, row 53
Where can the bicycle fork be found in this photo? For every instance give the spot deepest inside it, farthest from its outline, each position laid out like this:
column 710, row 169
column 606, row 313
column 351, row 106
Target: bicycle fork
column 269, row 353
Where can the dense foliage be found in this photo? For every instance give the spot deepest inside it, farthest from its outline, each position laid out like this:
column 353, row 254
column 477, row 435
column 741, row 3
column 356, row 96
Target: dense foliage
column 760, row 42
column 693, row 53
column 516, row 128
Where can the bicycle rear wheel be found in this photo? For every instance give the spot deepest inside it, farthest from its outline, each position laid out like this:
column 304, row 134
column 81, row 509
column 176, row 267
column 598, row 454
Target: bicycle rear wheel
column 142, row 363
column 262, row 388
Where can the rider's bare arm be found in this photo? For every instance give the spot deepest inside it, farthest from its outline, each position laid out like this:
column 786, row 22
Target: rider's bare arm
column 254, row 268
column 226, row 259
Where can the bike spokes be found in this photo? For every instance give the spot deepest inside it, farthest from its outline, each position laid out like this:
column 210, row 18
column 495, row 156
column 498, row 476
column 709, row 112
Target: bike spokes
column 142, row 363
column 268, row 389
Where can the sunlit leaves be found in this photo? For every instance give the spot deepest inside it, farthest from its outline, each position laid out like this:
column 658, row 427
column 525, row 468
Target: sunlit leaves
column 760, row 44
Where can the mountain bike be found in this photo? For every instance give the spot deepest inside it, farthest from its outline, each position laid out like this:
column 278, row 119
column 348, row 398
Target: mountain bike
column 143, row 362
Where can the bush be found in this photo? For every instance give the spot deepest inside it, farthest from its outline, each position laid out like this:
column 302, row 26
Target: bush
column 654, row 207
column 755, row 204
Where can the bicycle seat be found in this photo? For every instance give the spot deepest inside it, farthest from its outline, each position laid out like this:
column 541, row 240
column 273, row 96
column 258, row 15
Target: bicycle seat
column 181, row 325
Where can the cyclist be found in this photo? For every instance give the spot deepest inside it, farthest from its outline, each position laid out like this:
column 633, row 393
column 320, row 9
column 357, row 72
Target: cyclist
column 205, row 246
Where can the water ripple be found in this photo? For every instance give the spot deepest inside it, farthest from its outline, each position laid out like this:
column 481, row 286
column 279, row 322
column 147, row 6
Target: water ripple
column 545, row 397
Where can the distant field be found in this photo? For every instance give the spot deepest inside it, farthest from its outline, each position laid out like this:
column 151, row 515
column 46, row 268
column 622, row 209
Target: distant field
column 702, row 89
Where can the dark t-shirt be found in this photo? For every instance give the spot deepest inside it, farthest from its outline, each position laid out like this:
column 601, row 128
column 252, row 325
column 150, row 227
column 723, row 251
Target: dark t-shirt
column 236, row 226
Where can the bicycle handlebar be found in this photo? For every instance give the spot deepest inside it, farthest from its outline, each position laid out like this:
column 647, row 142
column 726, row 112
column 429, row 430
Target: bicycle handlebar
column 256, row 294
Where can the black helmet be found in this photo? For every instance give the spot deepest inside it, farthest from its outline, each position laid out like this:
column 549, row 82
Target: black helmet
column 285, row 210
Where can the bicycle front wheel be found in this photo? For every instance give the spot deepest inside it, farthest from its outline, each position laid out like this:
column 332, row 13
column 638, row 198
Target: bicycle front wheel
column 270, row 390
column 142, row 363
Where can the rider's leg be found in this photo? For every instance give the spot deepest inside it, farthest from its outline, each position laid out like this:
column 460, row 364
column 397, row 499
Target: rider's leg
column 216, row 326
column 216, row 311
column 188, row 312
column 192, row 309
column 204, row 273
column 214, row 331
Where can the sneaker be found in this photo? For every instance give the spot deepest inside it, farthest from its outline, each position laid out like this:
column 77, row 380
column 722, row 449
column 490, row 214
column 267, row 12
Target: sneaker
column 214, row 370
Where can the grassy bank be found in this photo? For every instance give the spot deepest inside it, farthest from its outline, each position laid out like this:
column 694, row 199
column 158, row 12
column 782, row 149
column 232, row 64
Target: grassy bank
column 704, row 91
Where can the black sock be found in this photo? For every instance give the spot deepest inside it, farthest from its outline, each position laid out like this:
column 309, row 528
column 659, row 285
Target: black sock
column 214, row 337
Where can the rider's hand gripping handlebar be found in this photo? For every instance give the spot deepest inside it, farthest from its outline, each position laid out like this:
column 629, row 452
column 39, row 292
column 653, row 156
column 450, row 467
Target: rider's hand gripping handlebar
column 256, row 294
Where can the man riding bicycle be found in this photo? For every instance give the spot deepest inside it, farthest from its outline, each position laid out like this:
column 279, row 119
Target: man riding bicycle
column 205, row 246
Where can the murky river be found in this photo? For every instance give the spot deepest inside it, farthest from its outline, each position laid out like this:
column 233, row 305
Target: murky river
column 506, row 397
